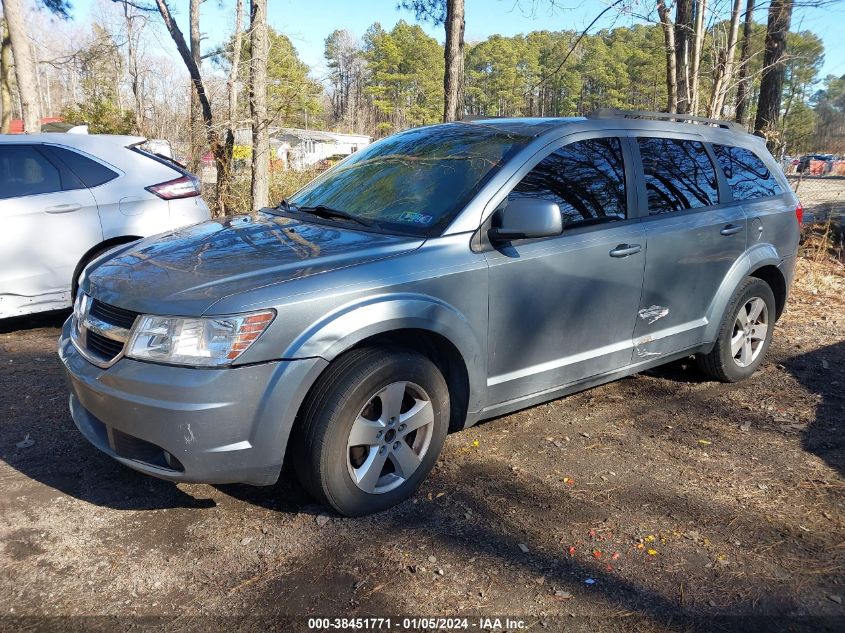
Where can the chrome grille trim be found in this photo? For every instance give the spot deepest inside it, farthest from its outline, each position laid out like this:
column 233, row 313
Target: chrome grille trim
column 84, row 322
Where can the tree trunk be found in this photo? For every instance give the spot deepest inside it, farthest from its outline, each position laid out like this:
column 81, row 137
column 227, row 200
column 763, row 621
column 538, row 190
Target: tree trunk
column 744, row 57
column 771, row 84
column 196, row 81
column 724, row 70
column 24, row 66
column 671, row 70
column 194, row 116
column 258, row 104
column 683, row 46
column 132, row 67
column 698, row 43
column 5, row 79
column 453, row 78
column 223, row 158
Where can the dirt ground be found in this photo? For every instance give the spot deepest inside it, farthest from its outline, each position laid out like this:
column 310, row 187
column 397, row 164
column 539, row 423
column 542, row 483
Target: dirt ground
column 662, row 502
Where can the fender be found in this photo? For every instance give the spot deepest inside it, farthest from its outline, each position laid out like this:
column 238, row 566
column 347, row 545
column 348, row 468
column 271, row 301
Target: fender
column 756, row 257
column 354, row 322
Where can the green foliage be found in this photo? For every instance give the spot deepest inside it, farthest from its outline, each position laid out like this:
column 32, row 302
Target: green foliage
column 405, row 75
column 526, row 75
column 292, row 96
column 102, row 116
column 100, row 66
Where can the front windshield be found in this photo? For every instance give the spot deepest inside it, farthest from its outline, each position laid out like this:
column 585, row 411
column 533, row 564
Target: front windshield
column 416, row 181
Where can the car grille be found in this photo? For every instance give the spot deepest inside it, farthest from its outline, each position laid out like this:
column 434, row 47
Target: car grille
column 112, row 314
column 103, row 347
column 101, row 329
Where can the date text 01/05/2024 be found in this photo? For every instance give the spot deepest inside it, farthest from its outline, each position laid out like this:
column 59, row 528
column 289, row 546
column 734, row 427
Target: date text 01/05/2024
column 424, row 623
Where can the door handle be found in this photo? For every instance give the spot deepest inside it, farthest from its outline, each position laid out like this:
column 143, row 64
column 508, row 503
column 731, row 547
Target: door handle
column 623, row 250
column 730, row 229
column 63, row 208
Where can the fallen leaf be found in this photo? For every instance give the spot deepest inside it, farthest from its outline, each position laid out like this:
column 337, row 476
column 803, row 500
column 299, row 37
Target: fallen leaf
column 651, row 552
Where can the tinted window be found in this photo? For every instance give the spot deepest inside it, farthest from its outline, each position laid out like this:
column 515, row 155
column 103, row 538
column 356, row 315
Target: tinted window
column 747, row 175
column 90, row 172
column 678, row 175
column 416, row 181
column 586, row 179
column 24, row 171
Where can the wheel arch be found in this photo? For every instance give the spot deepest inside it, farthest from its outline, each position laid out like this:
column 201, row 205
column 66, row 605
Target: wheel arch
column 416, row 322
column 774, row 278
column 761, row 261
column 92, row 253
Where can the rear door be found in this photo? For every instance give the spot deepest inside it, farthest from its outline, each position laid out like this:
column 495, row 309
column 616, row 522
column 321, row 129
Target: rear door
column 562, row 309
column 694, row 233
column 49, row 221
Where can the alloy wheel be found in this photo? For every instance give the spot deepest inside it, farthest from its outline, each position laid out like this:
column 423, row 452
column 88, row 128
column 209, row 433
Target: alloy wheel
column 749, row 333
column 390, row 437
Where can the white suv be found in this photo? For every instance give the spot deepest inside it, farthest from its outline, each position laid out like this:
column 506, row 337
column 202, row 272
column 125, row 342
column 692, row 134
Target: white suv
column 67, row 198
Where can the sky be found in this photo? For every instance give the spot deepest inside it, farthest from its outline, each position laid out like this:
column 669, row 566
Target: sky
column 308, row 22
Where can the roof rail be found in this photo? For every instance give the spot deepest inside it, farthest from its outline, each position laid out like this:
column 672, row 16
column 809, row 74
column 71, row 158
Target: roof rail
column 613, row 113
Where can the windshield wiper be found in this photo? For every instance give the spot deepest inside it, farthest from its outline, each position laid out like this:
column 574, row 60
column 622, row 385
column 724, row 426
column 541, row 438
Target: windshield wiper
column 327, row 212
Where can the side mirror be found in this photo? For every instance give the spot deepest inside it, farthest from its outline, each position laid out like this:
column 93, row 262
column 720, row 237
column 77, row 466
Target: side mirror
column 526, row 218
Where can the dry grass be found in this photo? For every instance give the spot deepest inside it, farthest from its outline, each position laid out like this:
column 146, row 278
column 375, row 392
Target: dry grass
column 282, row 185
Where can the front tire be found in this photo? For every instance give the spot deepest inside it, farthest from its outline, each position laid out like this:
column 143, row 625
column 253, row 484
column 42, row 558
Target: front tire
column 371, row 429
column 745, row 333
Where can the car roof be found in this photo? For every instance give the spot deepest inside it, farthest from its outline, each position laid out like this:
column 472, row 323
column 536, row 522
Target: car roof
column 525, row 126
column 81, row 141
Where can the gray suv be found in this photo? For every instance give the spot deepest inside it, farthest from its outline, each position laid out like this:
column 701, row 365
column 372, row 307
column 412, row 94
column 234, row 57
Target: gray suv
column 438, row 277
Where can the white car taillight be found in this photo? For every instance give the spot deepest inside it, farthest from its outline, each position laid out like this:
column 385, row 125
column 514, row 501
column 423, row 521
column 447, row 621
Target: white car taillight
column 186, row 186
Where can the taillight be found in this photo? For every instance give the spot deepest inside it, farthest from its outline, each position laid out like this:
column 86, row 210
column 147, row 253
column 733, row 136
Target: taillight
column 799, row 214
column 186, row 186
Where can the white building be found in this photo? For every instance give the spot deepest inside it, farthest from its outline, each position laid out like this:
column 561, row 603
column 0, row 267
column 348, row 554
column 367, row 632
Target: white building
column 300, row 149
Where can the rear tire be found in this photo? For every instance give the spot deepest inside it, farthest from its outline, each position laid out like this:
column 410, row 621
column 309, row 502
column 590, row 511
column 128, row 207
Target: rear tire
column 744, row 335
column 371, row 429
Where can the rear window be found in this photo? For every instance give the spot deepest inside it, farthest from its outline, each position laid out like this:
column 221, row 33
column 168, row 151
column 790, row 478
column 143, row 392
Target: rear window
column 747, row 174
column 90, row 172
column 678, row 175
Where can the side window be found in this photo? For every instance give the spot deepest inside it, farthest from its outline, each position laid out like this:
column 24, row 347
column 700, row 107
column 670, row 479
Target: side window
column 24, row 171
column 586, row 179
column 678, row 175
column 747, row 174
column 90, row 172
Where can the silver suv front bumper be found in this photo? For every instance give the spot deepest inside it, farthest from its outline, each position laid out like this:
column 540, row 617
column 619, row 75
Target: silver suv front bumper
column 183, row 424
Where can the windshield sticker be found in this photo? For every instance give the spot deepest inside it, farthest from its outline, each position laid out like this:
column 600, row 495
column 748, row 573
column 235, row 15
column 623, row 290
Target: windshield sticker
column 415, row 218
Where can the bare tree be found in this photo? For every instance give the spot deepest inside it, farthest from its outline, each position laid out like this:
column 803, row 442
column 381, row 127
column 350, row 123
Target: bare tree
column 453, row 80
column 725, row 64
column 743, row 82
column 195, row 116
column 684, row 36
column 771, row 83
column 25, row 71
column 698, row 43
column 5, row 79
column 450, row 13
column 131, row 16
column 671, row 59
column 258, row 103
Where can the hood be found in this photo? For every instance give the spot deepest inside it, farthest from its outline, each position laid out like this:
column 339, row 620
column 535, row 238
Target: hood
column 184, row 272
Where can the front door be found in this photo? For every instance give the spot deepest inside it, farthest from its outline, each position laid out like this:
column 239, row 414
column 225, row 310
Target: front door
column 563, row 309
column 693, row 238
column 44, row 231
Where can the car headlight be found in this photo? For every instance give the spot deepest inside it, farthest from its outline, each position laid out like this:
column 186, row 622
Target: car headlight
column 205, row 341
